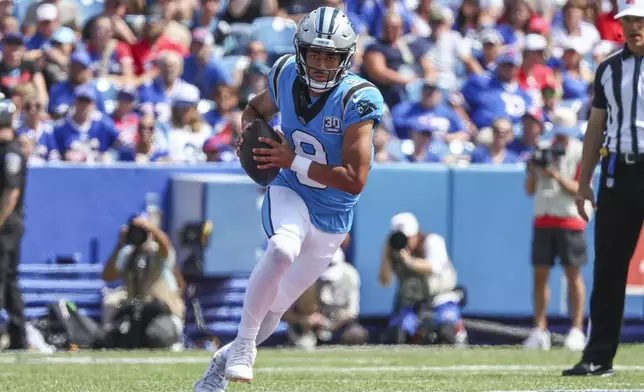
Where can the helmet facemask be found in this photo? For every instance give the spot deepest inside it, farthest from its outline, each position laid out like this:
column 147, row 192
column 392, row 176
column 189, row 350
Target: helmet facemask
column 334, row 75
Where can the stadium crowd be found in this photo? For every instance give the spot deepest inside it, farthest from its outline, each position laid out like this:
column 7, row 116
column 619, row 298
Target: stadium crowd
column 156, row 81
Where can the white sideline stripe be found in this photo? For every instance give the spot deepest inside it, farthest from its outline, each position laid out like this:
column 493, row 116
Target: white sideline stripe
column 169, row 360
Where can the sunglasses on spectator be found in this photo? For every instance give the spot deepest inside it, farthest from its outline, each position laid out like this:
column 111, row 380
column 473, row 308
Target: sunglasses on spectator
column 146, row 127
column 36, row 106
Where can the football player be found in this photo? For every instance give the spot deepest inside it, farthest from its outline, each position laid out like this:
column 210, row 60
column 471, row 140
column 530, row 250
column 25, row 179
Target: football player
column 328, row 117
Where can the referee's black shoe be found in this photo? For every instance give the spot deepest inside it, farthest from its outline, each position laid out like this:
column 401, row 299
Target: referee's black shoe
column 584, row 368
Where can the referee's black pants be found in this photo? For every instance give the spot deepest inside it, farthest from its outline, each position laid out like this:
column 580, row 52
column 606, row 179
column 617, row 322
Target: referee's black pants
column 10, row 296
column 618, row 222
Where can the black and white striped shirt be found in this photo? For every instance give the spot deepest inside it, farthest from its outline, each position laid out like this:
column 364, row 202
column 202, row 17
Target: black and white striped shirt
column 619, row 89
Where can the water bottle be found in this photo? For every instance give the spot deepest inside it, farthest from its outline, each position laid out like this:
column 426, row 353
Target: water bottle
column 153, row 209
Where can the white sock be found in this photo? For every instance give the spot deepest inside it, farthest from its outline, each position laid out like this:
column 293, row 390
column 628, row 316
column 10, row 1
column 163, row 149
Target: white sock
column 269, row 325
column 264, row 283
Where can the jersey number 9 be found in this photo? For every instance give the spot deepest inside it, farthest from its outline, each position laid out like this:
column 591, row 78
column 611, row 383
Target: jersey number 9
column 308, row 146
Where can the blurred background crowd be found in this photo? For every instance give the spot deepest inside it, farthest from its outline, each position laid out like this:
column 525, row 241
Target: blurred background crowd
column 155, row 81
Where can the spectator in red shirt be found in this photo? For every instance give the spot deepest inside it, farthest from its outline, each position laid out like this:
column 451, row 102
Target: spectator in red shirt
column 153, row 42
column 609, row 28
column 534, row 74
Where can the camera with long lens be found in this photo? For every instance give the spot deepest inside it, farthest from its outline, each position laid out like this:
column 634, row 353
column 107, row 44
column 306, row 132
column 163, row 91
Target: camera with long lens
column 136, row 235
column 544, row 157
column 398, row 241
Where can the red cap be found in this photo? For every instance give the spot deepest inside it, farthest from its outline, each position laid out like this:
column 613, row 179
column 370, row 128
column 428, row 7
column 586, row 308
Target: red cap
column 538, row 25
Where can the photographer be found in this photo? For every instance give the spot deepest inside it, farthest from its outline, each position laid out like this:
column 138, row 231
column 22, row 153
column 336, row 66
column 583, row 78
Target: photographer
column 558, row 229
column 328, row 311
column 152, row 314
column 427, row 298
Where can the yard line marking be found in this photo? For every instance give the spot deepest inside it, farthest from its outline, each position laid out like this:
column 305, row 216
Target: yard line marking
column 169, row 360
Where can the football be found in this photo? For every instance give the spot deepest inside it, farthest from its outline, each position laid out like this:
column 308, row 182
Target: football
column 258, row 128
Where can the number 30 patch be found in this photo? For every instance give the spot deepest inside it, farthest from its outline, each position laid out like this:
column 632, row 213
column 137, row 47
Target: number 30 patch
column 332, row 125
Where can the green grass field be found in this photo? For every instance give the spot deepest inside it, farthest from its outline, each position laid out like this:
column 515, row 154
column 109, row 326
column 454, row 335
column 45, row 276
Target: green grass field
column 365, row 369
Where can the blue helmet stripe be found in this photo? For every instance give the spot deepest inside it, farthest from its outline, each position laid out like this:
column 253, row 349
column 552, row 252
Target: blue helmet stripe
column 321, row 22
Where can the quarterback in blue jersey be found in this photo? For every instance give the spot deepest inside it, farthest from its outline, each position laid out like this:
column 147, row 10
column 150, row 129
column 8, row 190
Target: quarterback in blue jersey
column 328, row 117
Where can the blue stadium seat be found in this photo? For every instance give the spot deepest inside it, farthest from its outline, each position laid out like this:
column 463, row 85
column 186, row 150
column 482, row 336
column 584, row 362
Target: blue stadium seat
column 61, row 285
column 276, row 34
column 230, row 64
column 88, row 9
column 20, row 9
column 239, row 36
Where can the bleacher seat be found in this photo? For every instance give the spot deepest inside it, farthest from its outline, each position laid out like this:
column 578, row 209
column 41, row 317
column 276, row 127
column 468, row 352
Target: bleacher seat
column 276, row 34
column 42, row 284
column 230, row 64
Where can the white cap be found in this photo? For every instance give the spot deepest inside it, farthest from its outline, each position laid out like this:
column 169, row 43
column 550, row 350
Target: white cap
column 405, row 222
column 47, row 12
column 185, row 94
column 534, row 42
column 630, row 8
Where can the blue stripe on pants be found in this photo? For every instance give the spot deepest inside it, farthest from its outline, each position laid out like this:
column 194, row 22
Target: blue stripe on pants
column 266, row 214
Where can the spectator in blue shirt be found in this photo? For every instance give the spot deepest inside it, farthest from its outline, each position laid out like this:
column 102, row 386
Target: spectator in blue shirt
column 47, row 18
column 199, row 67
column 86, row 134
column 373, row 13
column 358, row 24
column 517, row 15
column 430, row 110
column 490, row 97
column 159, row 93
column 492, row 46
column 36, row 133
column 497, row 152
column 62, row 93
column 424, row 151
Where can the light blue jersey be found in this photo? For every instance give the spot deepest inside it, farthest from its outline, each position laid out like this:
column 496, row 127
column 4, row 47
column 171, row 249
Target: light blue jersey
column 317, row 133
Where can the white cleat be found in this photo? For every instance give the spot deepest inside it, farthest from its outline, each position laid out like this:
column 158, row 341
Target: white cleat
column 539, row 339
column 239, row 366
column 214, row 379
column 575, row 340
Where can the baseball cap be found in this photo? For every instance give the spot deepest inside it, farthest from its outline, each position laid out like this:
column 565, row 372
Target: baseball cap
column 406, row 223
column 85, row 91
column 14, row 38
column 491, row 36
column 538, row 25
column 46, row 12
column 185, row 96
column 510, row 56
column 64, row 35
column 202, row 36
column 81, row 58
column 127, row 93
column 535, row 42
column 630, row 8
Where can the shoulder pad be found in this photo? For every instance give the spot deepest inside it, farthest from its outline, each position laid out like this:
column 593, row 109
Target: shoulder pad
column 357, row 85
column 279, row 66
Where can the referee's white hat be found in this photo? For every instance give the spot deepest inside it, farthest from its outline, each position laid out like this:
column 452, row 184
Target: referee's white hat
column 630, row 8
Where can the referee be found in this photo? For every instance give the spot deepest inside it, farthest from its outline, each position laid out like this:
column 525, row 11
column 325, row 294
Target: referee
column 618, row 108
column 12, row 183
